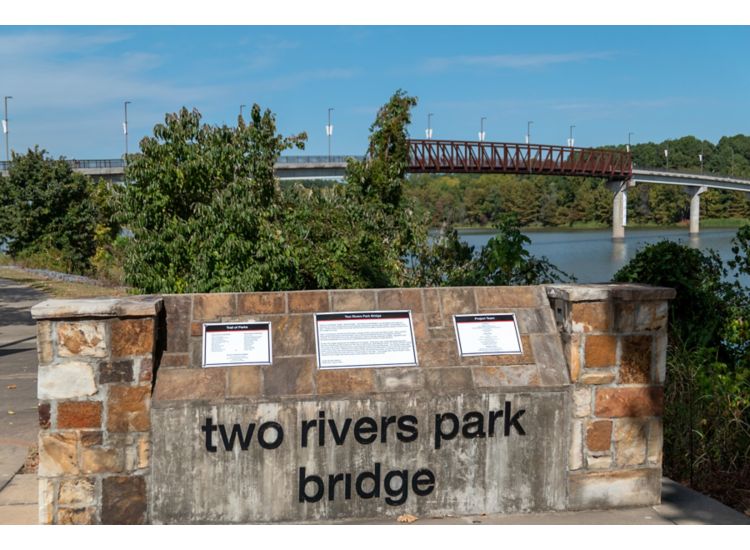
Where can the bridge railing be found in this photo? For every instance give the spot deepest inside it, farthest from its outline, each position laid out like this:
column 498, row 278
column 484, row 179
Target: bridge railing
column 436, row 156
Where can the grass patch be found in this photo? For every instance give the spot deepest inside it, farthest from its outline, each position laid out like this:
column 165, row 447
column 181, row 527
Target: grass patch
column 724, row 222
column 60, row 289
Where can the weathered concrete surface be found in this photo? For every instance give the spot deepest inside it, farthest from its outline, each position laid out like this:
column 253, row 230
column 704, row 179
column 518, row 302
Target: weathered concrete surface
column 509, row 474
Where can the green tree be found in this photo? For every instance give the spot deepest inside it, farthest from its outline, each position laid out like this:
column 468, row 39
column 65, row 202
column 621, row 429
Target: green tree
column 47, row 213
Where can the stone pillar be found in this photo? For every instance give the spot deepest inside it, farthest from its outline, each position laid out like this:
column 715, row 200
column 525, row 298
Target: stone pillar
column 615, row 343
column 695, row 207
column 619, row 190
column 95, row 376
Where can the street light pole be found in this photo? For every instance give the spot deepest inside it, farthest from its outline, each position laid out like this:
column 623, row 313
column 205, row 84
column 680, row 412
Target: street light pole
column 700, row 157
column 329, row 132
column 666, row 156
column 428, row 132
column 629, row 134
column 6, row 128
column 528, row 131
column 481, row 128
column 571, row 142
column 125, row 130
column 241, row 106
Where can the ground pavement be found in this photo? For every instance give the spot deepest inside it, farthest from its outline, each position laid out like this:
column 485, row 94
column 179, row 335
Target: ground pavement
column 19, row 429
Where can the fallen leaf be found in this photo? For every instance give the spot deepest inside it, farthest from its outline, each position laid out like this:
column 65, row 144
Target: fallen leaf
column 11, row 386
column 406, row 518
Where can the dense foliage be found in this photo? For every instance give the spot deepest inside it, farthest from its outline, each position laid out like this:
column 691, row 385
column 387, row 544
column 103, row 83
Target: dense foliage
column 48, row 217
column 707, row 392
column 206, row 214
column 546, row 201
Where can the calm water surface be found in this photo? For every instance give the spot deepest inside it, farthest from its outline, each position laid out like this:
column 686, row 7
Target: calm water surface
column 592, row 257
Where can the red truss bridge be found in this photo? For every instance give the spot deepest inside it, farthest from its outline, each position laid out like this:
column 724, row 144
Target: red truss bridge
column 478, row 157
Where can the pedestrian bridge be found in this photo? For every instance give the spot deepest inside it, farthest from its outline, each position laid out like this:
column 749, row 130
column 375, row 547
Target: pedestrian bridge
column 480, row 157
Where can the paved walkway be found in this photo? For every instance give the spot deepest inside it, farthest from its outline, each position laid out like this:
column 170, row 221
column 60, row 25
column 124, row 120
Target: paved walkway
column 19, row 429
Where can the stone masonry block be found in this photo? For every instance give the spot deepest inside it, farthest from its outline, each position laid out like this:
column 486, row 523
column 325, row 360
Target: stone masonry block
column 132, row 337
column 44, row 343
column 597, row 378
column 175, row 360
column 433, row 313
column 178, row 312
column 635, row 363
column 245, row 381
column 184, row 384
column 599, row 435
column 630, row 438
column 311, row 301
column 118, row 371
column 399, row 379
column 590, row 316
column 123, row 500
column 211, row 307
column 79, row 414
column 596, row 490
column 600, row 350
column 68, row 380
column 261, row 303
column 659, row 366
column 516, row 375
column 293, row 336
column 76, row 516
column 495, row 297
column 575, row 453
column 58, row 454
column 353, row 300
column 77, row 492
column 91, row 439
column 449, row 380
column 457, row 301
column 82, row 339
column 655, row 441
column 44, row 410
column 128, row 409
column 437, row 353
column 401, row 298
column 46, row 498
column 345, row 381
column 573, row 349
column 289, row 376
column 582, row 402
column 630, row 402
column 102, row 460
column 525, row 358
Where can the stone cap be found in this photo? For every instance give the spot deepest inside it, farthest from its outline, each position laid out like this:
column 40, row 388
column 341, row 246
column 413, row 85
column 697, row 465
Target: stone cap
column 135, row 306
column 627, row 292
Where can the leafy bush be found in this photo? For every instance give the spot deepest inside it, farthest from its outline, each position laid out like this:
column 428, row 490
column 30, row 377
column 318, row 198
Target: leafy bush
column 47, row 216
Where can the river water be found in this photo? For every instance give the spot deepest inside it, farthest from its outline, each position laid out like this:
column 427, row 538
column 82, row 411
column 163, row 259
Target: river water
column 592, row 257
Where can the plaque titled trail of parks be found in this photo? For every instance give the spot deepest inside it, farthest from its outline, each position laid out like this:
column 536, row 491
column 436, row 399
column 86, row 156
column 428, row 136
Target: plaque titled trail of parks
column 365, row 339
column 229, row 344
column 487, row 334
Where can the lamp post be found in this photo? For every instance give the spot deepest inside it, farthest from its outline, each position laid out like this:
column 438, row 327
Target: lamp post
column 666, row 156
column 571, row 141
column 700, row 158
column 241, row 107
column 6, row 128
column 528, row 131
column 329, row 132
column 125, row 130
column 428, row 131
column 629, row 134
column 481, row 128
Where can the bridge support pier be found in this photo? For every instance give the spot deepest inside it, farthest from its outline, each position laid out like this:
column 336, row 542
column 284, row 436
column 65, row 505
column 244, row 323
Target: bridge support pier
column 695, row 207
column 619, row 189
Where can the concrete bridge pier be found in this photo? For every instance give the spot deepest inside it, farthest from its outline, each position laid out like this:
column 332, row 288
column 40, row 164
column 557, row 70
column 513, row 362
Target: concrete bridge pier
column 619, row 189
column 695, row 207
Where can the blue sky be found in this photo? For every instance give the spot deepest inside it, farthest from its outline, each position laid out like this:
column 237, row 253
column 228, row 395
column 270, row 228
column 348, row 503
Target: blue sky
column 69, row 83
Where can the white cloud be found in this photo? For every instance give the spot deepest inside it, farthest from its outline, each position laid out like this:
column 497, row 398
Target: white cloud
column 510, row 61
